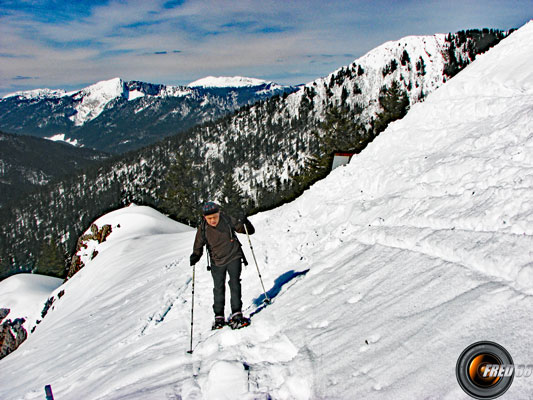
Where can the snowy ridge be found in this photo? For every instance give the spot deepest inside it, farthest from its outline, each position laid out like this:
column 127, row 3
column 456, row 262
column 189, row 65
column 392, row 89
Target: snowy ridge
column 426, row 48
column 90, row 102
column 225, row 81
column 381, row 274
column 60, row 137
column 37, row 94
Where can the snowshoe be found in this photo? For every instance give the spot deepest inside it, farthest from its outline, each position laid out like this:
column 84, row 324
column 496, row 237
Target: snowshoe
column 238, row 321
column 219, row 323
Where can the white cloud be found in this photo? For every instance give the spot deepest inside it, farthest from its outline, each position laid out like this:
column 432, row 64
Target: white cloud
column 246, row 37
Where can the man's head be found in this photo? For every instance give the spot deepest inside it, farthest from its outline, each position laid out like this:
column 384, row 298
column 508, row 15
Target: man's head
column 211, row 213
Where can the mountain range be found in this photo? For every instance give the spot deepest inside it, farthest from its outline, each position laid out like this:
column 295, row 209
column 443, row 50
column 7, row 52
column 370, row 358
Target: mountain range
column 261, row 149
column 116, row 116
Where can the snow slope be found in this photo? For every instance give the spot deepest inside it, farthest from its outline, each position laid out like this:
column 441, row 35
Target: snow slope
column 60, row 137
column 381, row 274
column 95, row 98
column 25, row 295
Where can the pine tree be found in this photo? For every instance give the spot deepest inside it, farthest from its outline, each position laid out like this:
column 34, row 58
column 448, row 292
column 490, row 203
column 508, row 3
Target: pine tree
column 340, row 133
column 181, row 195
column 405, row 59
column 344, row 95
column 395, row 104
column 232, row 198
column 51, row 260
column 421, row 66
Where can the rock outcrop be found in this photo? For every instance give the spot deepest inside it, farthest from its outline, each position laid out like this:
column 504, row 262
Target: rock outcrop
column 12, row 333
column 98, row 234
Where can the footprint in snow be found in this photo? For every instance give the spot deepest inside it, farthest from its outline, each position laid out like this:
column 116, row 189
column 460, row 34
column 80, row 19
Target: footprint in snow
column 319, row 325
column 355, row 299
column 303, row 308
column 318, row 291
column 371, row 339
column 227, row 379
column 374, row 338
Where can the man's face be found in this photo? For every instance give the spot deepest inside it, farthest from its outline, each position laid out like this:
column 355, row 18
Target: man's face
column 213, row 219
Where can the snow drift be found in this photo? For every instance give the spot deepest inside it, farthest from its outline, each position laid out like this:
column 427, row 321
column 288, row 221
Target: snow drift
column 25, row 294
column 381, row 274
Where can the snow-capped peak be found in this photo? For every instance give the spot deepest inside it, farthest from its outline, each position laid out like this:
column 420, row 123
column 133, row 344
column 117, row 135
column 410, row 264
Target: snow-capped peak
column 38, row 93
column 109, row 89
column 227, row 81
column 94, row 98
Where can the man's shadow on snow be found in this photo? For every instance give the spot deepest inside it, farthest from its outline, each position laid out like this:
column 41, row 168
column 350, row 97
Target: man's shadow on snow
column 280, row 281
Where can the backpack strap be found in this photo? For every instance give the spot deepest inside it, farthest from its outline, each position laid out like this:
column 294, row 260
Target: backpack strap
column 233, row 236
column 204, row 238
column 232, row 233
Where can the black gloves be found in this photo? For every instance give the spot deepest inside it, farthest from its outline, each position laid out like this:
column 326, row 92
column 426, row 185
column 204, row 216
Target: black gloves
column 241, row 217
column 247, row 225
column 195, row 258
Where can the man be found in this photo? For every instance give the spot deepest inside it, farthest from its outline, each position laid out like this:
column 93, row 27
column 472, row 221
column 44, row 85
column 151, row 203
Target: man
column 217, row 232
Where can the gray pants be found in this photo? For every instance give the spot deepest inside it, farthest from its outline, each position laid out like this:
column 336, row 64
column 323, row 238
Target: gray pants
column 218, row 273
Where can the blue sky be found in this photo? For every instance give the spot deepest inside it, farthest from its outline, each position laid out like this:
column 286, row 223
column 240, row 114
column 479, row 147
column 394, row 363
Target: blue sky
column 71, row 44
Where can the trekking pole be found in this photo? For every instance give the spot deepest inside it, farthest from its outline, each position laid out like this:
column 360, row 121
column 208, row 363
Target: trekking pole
column 192, row 307
column 267, row 300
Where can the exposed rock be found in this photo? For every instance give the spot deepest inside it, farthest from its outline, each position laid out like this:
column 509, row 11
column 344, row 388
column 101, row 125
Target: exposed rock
column 12, row 334
column 20, row 333
column 4, row 312
column 47, row 306
column 100, row 235
column 7, row 339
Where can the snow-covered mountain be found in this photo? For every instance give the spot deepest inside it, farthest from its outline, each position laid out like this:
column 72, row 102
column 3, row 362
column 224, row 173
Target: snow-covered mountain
column 285, row 127
column 116, row 115
column 92, row 100
column 263, row 146
column 381, row 274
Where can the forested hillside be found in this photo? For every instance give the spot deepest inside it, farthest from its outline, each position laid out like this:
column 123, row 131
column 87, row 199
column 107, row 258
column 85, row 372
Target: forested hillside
column 28, row 162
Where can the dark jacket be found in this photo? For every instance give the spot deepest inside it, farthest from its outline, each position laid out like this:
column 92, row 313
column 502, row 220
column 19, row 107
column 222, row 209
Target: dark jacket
column 221, row 240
